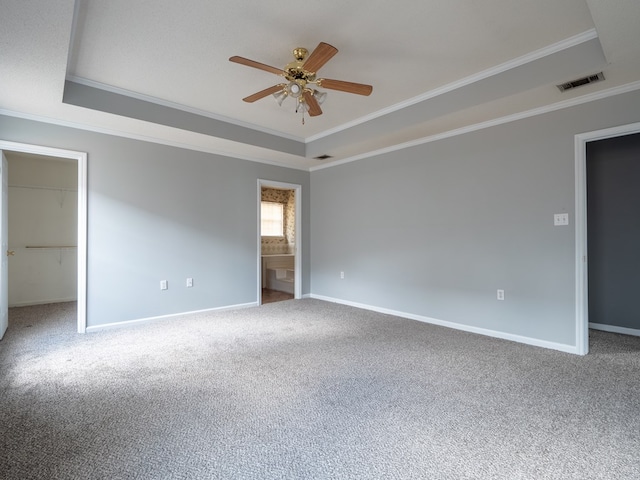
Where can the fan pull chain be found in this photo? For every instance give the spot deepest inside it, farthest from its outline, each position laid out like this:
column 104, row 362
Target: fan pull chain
column 298, row 106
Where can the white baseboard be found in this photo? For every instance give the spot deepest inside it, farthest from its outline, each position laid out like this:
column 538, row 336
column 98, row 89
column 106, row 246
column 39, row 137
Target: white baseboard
column 128, row 323
column 614, row 329
column 31, row 303
column 457, row 326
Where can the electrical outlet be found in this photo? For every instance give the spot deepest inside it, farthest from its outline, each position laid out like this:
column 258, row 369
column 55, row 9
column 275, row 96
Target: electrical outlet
column 342, row 275
column 164, row 285
column 500, row 295
column 189, row 282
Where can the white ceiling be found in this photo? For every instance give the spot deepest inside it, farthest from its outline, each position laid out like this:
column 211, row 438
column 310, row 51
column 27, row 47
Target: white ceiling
column 436, row 66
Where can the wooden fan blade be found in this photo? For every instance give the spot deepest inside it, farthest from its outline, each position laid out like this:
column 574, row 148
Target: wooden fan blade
column 258, row 65
column 321, row 55
column 314, row 107
column 264, row 93
column 349, row 87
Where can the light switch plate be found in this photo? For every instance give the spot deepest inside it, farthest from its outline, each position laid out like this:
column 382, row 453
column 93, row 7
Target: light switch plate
column 560, row 219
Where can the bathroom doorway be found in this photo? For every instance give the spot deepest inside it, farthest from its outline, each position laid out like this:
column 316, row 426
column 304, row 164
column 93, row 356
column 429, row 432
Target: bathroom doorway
column 279, row 275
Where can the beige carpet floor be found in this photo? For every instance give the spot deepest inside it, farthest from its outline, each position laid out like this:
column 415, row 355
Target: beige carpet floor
column 305, row 389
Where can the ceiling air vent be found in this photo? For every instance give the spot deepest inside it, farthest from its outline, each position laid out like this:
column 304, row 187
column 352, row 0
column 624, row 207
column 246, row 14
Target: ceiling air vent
column 581, row 81
column 322, row 157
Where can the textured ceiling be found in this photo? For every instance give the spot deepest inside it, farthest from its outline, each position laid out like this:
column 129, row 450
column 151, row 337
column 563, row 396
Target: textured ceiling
column 435, row 66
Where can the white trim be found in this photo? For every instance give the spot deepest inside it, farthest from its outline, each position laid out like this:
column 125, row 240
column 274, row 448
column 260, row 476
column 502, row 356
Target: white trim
column 457, row 326
column 582, row 263
column 147, row 138
column 129, row 323
column 601, row 94
column 615, row 329
column 81, row 158
column 630, row 87
column 180, row 107
column 516, row 62
column 506, row 66
column 582, row 306
column 297, row 283
column 503, row 67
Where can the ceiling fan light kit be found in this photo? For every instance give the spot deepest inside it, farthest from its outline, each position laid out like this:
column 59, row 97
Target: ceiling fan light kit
column 294, row 89
column 301, row 75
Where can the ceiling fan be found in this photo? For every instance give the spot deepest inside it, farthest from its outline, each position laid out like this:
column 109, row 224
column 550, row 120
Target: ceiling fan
column 301, row 76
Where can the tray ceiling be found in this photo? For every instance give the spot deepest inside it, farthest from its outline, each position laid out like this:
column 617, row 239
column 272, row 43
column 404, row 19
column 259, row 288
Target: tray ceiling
column 160, row 71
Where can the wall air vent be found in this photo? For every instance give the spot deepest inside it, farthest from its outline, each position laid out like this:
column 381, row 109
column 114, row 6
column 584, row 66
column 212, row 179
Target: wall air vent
column 581, row 81
column 322, row 157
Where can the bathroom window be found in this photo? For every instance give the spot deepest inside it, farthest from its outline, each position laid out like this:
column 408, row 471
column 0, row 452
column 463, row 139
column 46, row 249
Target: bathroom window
column 272, row 219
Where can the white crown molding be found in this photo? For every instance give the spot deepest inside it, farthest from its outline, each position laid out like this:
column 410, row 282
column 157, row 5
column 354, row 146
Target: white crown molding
column 143, row 138
column 516, row 62
column 423, row 140
column 489, row 123
column 420, row 141
column 519, row 61
column 178, row 106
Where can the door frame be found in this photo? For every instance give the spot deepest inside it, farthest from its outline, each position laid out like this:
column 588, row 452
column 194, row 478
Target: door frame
column 297, row 286
column 81, row 158
column 582, row 263
column 4, row 243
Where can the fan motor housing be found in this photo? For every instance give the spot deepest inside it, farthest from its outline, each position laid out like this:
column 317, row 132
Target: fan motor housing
column 294, row 71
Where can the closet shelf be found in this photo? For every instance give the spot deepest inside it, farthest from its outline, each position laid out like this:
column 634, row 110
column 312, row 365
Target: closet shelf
column 51, row 246
column 39, row 187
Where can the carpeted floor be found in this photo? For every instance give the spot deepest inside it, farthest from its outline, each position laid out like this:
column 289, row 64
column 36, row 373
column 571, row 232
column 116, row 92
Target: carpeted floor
column 305, row 389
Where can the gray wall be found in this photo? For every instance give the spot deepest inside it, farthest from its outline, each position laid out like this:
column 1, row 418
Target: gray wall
column 432, row 230
column 157, row 212
column 436, row 229
column 613, row 222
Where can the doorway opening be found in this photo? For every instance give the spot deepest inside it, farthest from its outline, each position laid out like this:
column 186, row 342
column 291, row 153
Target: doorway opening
column 582, row 261
column 613, row 233
column 279, row 230
column 51, row 184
